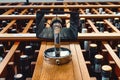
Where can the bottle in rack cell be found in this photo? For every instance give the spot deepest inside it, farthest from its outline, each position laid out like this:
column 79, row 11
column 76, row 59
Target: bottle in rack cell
column 85, row 43
column 25, row 66
column 2, row 51
column 106, row 72
column 101, row 26
column 116, row 23
column 18, row 77
column 13, row 30
column 30, row 52
column 34, row 29
column 87, row 11
column 4, row 23
column 98, row 65
column 118, row 50
column 82, row 24
column 100, row 10
column 92, row 53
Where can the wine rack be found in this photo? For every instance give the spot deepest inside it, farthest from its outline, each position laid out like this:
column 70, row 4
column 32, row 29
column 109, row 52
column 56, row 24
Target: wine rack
column 21, row 19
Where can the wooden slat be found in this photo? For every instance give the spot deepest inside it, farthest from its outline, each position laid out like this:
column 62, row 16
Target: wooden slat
column 108, row 10
column 3, row 64
column 76, row 67
column 38, row 68
column 81, row 36
column 45, row 71
column 7, row 58
column 82, row 65
column 8, row 26
column 59, row 6
column 61, row 16
column 11, row 10
column 11, row 23
column 8, row 12
column 111, row 25
column 67, row 20
column 112, row 53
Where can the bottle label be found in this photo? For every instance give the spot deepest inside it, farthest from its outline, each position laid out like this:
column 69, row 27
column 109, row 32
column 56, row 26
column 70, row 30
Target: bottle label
column 97, row 68
column 105, row 78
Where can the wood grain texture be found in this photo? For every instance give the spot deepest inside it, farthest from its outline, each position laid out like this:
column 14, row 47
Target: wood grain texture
column 69, row 71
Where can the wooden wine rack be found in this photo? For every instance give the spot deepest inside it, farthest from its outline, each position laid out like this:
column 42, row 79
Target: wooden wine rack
column 78, row 68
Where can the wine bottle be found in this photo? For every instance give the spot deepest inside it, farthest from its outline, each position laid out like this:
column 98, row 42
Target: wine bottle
column 2, row 51
column 18, row 77
column 85, row 43
column 100, row 10
column 29, row 51
column 34, row 29
column 106, row 72
column 116, row 23
column 4, row 23
column 25, row 66
column 92, row 52
column 87, row 11
column 98, row 65
column 118, row 50
column 82, row 24
column 101, row 26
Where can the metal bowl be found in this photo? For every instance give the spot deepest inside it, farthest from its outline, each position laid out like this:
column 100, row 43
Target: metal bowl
column 64, row 57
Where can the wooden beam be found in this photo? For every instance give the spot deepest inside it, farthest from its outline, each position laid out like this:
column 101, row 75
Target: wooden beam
column 58, row 6
column 64, row 16
column 81, row 36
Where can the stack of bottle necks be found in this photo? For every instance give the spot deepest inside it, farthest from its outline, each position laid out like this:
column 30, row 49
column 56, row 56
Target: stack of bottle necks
column 99, row 62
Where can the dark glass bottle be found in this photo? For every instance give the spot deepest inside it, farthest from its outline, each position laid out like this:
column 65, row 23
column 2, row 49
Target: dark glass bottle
column 85, row 44
column 25, row 66
column 2, row 51
column 82, row 24
column 118, row 50
column 97, row 24
column 12, row 31
column 34, row 29
column 100, row 10
column 31, row 10
column 92, row 52
column 116, row 23
column 4, row 23
column 16, row 13
column 1, row 58
column 87, row 11
column 18, row 77
column 106, row 72
column 98, row 65
column 29, row 51
column 101, row 26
